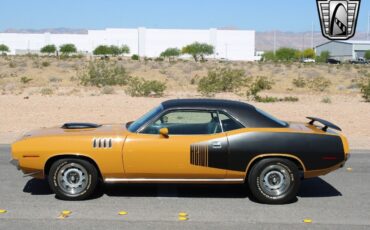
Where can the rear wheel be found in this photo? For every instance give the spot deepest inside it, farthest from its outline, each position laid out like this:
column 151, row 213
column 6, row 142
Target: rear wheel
column 274, row 181
column 73, row 179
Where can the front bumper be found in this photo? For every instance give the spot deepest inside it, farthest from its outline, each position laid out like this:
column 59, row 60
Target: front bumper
column 15, row 163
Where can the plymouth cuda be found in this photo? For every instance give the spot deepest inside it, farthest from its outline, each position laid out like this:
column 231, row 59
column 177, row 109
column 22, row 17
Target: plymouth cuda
column 185, row 141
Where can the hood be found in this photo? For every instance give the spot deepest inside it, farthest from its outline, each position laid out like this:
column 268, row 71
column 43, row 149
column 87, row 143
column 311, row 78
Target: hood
column 78, row 129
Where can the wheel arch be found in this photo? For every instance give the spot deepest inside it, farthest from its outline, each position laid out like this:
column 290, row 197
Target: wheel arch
column 52, row 159
column 298, row 162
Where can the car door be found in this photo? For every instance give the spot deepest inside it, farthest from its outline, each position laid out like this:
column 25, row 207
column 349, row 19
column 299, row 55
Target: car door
column 195, row 147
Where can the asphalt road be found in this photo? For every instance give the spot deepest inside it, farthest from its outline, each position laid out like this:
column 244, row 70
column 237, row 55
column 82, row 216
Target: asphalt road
column 339, row 200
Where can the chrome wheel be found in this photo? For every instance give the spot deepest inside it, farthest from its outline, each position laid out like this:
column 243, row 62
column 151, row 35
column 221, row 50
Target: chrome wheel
column 72, row 178
column 274, row 180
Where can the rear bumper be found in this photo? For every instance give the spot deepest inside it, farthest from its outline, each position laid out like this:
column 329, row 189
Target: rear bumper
column 321, row 172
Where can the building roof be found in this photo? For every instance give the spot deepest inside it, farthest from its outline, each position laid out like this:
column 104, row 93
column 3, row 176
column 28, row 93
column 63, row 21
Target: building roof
column 351, row 42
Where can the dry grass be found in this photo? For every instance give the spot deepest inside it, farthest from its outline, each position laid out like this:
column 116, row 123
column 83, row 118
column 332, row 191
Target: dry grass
column 54, row 95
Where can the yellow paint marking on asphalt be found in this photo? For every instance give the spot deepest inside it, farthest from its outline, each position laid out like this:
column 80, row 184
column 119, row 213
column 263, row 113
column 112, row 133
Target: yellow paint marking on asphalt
column 183, row 216
column 349, row 169
column 64, row 214
column 2, row 211
column 122, row 213
column 308, row 221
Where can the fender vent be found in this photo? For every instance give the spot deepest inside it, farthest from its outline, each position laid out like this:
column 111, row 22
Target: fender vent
column 102, row 143
column 199, row 155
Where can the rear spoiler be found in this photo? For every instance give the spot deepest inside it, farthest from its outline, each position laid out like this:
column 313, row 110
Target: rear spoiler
column 326, row 124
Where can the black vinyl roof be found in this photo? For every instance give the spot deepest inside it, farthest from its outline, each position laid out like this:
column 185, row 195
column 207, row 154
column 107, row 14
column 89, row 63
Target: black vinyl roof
column 243, row 112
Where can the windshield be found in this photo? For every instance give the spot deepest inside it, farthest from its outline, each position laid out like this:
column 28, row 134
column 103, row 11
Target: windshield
column 144, row 119
column 280, row 122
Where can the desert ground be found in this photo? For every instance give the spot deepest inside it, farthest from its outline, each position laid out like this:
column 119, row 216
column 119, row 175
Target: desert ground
column 54, row 94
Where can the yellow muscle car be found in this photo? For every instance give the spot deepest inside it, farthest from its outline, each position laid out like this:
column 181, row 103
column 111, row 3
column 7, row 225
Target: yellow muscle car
column 185, row 141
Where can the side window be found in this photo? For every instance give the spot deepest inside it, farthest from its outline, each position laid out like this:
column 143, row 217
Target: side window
column 228, row 123
column 186, row 122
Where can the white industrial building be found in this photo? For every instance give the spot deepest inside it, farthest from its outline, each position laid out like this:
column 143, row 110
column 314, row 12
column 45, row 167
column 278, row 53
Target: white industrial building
column 344, row 50
column 229, row 44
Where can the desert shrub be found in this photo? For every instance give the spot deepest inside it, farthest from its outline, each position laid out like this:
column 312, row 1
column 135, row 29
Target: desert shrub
column 46, row 91
column 135, row 57
column 45, row 63
column 107, row 90
column 259, row 84
column 170, row 53
column 138, row 87
column 4, row 49
column 221, row 80
column 266, row 99
column 25, row 80
column 318, row 83
column 299, row 82
column 365, row 89
column 101, row 73
column 290, row 99
column 268, row 56
column 159, row 59
column 12, row 64
column 326, row 100
column 269, row 99
column 55, row 79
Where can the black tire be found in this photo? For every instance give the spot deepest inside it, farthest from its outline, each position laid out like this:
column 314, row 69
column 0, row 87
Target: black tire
column 81, row 177
column 274, row 181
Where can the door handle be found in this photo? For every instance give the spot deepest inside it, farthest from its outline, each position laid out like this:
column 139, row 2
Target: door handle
column 217, row 145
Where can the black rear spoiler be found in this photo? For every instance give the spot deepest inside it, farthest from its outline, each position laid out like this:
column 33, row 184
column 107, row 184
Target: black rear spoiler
column 326, row 124
column 80, row 126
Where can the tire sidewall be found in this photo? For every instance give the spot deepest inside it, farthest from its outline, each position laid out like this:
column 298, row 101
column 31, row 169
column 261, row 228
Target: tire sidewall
column 92, row 179
column 257, row 191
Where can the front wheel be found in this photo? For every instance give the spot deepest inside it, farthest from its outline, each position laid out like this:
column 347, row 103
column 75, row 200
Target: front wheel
column 73, row 179
column 274, row 181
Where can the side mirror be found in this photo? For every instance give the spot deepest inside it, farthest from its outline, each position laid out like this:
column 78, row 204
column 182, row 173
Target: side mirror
column 164, row 132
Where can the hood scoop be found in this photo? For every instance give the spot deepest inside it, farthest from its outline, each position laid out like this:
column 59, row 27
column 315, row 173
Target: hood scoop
column 80, row 126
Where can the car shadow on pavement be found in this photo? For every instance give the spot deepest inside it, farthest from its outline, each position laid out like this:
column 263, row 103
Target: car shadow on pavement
column 37, row 187
column 317, row 187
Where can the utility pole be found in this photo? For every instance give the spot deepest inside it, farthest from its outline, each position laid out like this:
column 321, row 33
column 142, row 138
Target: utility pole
column 368, row 26
column 312, row 27
column 274, row 42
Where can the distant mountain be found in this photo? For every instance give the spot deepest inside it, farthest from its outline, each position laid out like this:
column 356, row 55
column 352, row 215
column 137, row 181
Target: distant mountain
column 264, row 40
column 51, row 30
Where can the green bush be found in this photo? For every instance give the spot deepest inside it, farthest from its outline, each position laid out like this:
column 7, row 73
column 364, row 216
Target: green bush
column 66, row 49
column 101, row 73
column 198, row 50
column 318, row 83
column 286, row 54
column 221, row 80
column 139, row 87
column 259, row 84
column 46, row 91
column 135, row 57
column 4, row 49
column 365, row 90
column 49, row 49
column 323, row 57
column 45, row 63
column 107, row 90
column 326, row 100
column 268, row 99
column 25, row 80
column 299, row 82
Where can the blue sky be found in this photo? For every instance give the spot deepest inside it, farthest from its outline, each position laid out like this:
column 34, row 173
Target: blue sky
column 260, row 15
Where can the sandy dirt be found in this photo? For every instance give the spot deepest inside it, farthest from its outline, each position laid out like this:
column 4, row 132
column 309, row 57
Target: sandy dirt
column 19, row 115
